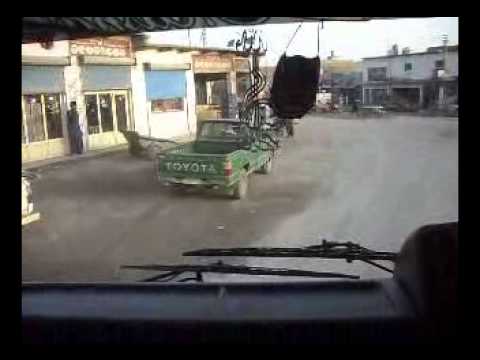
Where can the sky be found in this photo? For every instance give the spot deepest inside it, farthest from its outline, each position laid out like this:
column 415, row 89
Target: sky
column 348, row 40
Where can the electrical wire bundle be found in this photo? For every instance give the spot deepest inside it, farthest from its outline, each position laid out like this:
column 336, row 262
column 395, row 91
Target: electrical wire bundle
column 250, row 112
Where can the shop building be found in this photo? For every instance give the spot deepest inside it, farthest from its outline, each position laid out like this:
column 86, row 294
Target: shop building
column 412, row 81
column 44, row 104
column 124, row 83
column 96, row 74
column 174, row 87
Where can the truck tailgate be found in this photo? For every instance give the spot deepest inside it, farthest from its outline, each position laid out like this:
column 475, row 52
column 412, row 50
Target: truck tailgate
column 188, row 165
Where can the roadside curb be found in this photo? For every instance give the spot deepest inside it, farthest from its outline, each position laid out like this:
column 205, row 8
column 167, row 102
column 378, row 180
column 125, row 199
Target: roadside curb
column 73, row 158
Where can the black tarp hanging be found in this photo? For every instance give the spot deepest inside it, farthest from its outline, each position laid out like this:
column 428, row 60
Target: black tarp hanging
column 295, row 85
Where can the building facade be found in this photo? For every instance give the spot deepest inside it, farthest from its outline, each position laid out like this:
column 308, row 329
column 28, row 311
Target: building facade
column 96, row 74
column 163, row 94
column 175, row 86
column 414, row 80
column 123, row 83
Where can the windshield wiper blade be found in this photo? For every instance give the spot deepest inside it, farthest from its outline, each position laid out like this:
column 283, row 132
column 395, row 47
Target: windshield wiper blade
column 172, row 271
column 328, row 250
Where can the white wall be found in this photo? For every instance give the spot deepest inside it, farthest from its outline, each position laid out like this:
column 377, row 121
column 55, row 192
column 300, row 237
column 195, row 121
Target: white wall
column 168, row 124
column 60, row 48
column 423, row 66
column 452, row 63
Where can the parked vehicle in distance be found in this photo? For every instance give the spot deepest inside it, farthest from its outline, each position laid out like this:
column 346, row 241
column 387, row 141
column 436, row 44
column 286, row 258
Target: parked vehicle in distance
column 223, row 155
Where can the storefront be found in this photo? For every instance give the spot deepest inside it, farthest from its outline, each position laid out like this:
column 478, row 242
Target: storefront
column 96, row 74
column 163, row 93
column 175, row 86
column 166, row 94
column 221, row 81
column 44, row 129
column 105, row 72
column 106, row 91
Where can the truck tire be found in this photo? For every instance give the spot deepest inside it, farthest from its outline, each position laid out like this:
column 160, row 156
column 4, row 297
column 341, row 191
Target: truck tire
column 241, row 187
column 267, row 167
column 177, row 188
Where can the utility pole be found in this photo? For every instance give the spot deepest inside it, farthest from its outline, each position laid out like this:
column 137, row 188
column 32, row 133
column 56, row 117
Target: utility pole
column 203, row 37
column 442, row 91
column 445, row 50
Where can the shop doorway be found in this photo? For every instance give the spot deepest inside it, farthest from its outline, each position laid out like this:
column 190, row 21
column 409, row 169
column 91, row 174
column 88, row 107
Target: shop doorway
column 408, row 99
column 212, row 96
column 108, row 113
column 43, row 127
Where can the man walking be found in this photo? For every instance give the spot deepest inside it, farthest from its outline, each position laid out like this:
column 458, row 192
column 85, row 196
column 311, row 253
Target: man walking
column 74, row 131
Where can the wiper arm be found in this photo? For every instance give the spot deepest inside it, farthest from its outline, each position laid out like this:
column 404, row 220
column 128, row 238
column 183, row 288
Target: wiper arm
column 173, row 271
column 328, row 250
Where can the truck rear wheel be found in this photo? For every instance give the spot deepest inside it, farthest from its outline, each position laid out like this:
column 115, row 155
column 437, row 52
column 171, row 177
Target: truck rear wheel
column 179, row 188
column 241, row 187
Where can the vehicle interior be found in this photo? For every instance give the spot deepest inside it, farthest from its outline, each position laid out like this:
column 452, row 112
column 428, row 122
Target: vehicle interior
column 416, row 304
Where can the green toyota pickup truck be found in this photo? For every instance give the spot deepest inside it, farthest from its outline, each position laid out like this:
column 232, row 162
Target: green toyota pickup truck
column 223, row 155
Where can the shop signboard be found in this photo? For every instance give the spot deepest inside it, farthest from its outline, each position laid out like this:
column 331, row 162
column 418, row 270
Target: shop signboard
column 115, row 47
column 241, row 65
column 212, row 64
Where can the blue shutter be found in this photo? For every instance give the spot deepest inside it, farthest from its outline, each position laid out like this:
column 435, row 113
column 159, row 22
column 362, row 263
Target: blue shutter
column 101, row 77
column 47, row 79
column 165, row 84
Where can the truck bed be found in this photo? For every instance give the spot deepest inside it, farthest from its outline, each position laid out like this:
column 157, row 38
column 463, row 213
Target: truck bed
column 195, row 162
column 203, row 163
column 204, row 147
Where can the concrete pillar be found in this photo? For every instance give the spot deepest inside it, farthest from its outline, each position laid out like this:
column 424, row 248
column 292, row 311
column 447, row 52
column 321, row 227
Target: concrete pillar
column 232, row 94
column 441, row 96
column 139, row 99
column 420, row 98
column 63, row 108
column 191, row 103
column 209, row 91
column 74, row 92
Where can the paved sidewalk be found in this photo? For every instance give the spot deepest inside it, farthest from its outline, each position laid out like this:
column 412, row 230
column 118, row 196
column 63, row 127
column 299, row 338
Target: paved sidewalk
column 90, row 154
column 68, row 158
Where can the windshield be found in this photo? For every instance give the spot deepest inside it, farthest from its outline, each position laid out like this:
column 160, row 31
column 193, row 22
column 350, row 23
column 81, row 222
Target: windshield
column 355, row 140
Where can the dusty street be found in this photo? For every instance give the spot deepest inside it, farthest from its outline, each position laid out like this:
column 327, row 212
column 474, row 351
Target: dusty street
column 371, row 181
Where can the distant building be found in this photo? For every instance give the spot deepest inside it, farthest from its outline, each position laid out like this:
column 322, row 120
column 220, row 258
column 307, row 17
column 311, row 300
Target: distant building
column 412, row 80
column 342, row 78
column 338, row 78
